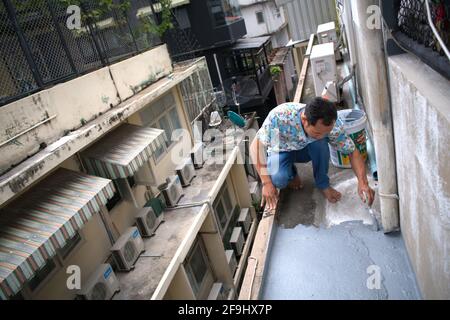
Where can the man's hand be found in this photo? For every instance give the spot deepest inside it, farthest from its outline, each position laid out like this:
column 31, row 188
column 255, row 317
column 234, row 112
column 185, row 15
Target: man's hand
column 363, row 188
column 269, row 196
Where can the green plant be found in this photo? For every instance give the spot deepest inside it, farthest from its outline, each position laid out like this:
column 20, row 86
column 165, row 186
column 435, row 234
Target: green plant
column 147, row 25
column 98, row 8
column 275, row 71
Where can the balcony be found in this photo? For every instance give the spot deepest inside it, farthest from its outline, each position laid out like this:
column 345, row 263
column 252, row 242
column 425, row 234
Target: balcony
column 215, row 24
column 248, row 80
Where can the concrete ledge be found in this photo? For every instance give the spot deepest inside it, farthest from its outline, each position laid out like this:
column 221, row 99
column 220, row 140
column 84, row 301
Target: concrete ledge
column 132, row 75
column 74, row 103
column 254, row 275
column 425, row 80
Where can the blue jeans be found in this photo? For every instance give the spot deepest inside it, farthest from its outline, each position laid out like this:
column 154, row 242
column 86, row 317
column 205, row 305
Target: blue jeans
column 282, row 169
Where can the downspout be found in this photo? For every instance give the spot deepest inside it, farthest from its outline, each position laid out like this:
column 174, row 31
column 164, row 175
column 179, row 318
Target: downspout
column 375, row 92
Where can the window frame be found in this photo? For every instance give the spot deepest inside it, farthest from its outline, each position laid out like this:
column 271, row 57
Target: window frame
column 63, row 257
column 197, row 287
column 260, row 17
column 122, row 195
column 220, row 200
column 166, row 116
column 30, row 291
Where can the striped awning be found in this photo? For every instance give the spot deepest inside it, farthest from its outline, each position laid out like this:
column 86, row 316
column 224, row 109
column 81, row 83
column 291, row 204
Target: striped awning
column 122, row 152
column 34, row 226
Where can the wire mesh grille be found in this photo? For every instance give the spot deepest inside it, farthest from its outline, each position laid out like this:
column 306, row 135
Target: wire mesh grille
column 37, row 48
column 413, row 21
column 79, row 43
column 45, row 45
column 197, row 92
column 16, row 77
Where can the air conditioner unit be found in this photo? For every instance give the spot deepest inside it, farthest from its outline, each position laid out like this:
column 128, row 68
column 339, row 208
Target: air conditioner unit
column 147, row 221
column 231, row 259
column 172, row 190
column 101, row 285
column 327, row 33
column 217, row 292
column 127, row 249
column 186, row 172
column 237, row 241
column 324, row 67
column 245, row 220
column 197, row 155
column 255, row 192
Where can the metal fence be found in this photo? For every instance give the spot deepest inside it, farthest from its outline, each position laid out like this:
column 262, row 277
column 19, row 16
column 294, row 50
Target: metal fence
column 413, row 21
column 38, row 49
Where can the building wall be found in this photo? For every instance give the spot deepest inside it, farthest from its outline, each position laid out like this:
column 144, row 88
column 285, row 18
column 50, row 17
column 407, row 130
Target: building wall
column 280, row 38
column 272, row 21
column 166, row 165
column 421, row 109
column 91, row 252
column 305, row 15
column 180, row 287
column 74, row 103
column 95, row 246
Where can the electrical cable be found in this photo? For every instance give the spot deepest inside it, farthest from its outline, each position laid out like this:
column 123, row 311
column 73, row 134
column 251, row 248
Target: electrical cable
column 436, row 33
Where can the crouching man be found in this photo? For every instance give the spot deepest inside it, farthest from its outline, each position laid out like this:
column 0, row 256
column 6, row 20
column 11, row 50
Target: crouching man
column 295, row 133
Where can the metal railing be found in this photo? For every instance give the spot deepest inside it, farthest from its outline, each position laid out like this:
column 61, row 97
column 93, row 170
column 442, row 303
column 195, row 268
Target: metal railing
column 39, row 49
column 413, row 21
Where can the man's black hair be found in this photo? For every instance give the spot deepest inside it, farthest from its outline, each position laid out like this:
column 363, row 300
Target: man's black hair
column 319, row 108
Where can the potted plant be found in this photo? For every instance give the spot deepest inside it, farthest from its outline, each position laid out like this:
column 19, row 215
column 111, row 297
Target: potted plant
column 275, row 71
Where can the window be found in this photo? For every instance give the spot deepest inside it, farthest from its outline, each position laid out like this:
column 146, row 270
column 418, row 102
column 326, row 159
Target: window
column 162, row 115
column 115, row 198
column 225, row 11
column 221, row 215
column 121, row 192
column 131, row 181
column 41, row 275
column 197, row 266
column 70, row 245
column 158, row 153
column 223, row 208
column 260, row 17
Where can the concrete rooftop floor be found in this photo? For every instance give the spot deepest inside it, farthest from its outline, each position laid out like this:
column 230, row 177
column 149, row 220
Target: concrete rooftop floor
column 323, row 251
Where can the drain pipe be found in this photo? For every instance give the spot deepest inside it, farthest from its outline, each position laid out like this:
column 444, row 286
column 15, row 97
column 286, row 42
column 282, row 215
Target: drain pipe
column 355, row 105
column 375, row 92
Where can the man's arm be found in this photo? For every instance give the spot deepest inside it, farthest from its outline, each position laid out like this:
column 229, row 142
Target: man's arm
column 359, row 167
column 258, row 153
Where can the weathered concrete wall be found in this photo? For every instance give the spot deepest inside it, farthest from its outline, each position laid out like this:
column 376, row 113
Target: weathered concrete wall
column 421, row 114
column 72, row 104
column 134, row 74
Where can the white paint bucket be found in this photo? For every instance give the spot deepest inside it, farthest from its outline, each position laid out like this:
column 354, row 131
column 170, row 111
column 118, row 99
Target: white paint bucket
column 354, row 122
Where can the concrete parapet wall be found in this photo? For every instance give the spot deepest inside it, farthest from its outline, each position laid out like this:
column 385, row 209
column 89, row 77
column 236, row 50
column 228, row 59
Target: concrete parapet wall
column 421, row 115
column 42, row 118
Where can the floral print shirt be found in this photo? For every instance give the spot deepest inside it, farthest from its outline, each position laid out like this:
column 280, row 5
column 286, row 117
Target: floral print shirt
column 282, row 131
